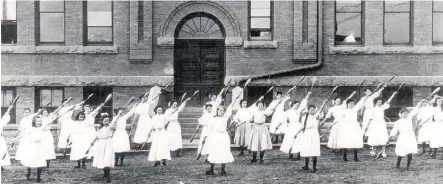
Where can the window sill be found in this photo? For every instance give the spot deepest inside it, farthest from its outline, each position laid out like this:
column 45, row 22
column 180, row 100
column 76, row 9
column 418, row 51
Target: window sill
column 74, row 49
column 260, row 44
column 385, row 50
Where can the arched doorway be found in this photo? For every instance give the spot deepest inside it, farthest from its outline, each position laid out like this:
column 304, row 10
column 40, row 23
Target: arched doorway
column 199, row 56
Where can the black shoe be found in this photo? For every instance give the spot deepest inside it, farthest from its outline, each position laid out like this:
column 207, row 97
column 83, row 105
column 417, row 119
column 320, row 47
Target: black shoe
column 77, row 167
column 108, row 179
column 314, row 170
column 433, row 155
column 305, row 168
column 206, row 161
column 397, row 166
column 223, row 172
column 164, row 163
column 39, row 180
column 27, row 177
column 157, row 163
column 356, row 159
column 291, row 156
column 253, row 161
column 345, row 159
column 84, row 167
column 241, row 153
column 261, row 161
column 210, row 172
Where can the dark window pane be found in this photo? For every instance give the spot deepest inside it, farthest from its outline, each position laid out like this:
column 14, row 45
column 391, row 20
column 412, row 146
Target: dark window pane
column 9, row 10
column 52, row 6
column 397, row 6
column 348, row 27
column 437, row 35
column 7, row 97
column 99, row 34
column 52, row 27
column 260, row 23
column 262, row 35
column 9, row 32
column 438, row 5
column 348, row 6
column 396, row 28
column 100, row 94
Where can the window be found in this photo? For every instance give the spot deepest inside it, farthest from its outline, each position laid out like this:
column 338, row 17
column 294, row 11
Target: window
column 260, row 20
column 348, row 22
column 50, row 22
column 402, row 99
column 8, row 95
column 9, row 22
column 397, row 22
column 45, row 95
column 100, row 94
column 437, row 22
column 98, row 20
column 344, row 91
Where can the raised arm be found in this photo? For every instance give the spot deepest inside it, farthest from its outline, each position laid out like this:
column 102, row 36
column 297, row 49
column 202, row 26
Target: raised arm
column 5, row 118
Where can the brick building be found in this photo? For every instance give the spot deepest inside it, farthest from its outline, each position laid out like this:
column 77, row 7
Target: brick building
column 55, row 50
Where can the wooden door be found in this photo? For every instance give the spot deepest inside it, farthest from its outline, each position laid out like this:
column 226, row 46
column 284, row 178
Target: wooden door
column 199, row 65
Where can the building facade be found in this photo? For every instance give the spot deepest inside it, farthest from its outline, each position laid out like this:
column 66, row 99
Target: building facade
column 55, row 50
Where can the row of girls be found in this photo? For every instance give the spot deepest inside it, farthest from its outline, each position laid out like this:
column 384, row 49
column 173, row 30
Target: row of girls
column 104, row 145
column 302, row 121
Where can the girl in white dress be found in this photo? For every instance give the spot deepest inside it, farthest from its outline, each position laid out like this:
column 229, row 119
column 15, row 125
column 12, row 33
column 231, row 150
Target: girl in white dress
column 291, row 143
column 49, row 137
column 260, row 138
column 103, row 146
column 367, row 104
column 424, row 119
column 35, row 156
column 205, row 121
column 216, row 100
column 350, row 135
column 378, row 132
column 160, row 151
column 406, row 142
column 120, row 140
column 437, row 128
column 80, row 139
column 174, row 129
column 310, row 138
column 278, row 122
column 144, row 124
column 66, row 124
column 25, row 125
column 243, row 119
column 219, row 142
column 4, row 155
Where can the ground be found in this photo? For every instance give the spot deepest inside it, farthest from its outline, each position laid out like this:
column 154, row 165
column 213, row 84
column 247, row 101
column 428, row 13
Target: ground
column 276, row 169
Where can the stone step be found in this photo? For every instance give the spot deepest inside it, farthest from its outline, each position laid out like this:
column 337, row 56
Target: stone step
column 188, row 120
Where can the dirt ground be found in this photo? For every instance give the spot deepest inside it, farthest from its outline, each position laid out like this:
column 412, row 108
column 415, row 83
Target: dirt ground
column 276, row 169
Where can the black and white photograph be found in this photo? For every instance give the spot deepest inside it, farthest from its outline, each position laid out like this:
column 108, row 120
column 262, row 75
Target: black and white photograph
column 221, row 91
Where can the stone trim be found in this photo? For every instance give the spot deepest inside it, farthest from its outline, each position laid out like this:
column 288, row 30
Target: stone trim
column 343, row 80
column 385, row 50
column 86, row 80
column 229, row 21
column 74, row 49
column 166, row 41
column 234, row 41
column 260, row 44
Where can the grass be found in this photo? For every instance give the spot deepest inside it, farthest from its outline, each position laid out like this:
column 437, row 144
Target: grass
column 276, row 169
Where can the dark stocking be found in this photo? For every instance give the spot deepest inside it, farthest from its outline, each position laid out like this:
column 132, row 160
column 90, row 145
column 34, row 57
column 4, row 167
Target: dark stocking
column 107, row 174
column 242, row 151
column 291, row 155
column 116, row 159
column 84, row 163
column 211, row 170
column 408, row 166
column 306, row 167
column 423, row 146
column 47, row 163
column 122, row 157
column 434, row 154
column 78, row 164
column 356, row 155
column 398, row 162
column 262, row 154
column 29, row 173
column 223, row 171
column 254, row 157
column 39, row 173
column 314, row 164
column 345, row 155
column 164, row 162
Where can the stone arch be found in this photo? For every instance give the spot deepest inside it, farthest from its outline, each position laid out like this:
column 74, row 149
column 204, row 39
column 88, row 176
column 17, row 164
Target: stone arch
column 230, row 23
